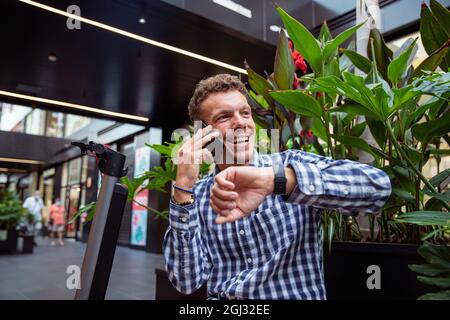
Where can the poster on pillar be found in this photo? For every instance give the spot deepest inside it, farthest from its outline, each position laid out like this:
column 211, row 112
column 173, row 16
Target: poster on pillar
column 139, row 213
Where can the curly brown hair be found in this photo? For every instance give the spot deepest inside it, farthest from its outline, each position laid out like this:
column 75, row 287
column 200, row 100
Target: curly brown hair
column 218, row 83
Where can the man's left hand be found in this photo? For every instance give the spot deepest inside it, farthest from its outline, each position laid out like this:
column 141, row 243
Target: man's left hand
column 238, row 191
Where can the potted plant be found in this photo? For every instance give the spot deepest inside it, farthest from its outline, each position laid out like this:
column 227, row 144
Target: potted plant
column 327, row 111
column 11, row 212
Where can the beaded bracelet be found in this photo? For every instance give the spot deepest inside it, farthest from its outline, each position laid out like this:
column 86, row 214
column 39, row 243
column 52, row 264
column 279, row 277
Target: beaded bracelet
column 182, row 189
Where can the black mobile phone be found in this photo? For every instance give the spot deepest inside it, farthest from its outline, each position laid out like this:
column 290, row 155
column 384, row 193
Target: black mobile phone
column 204, row 125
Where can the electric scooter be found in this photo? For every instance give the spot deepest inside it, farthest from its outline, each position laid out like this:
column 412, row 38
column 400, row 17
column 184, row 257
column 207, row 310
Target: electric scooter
column 111, row 200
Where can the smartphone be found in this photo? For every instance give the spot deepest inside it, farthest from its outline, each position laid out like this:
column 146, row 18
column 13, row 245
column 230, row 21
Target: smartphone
column 204, row 125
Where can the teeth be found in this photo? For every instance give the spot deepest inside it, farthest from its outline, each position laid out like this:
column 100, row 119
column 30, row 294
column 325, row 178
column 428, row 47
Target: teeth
column 241, row 140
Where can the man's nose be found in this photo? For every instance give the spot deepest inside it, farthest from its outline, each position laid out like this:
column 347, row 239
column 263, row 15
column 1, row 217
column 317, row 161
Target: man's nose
column 238, row 121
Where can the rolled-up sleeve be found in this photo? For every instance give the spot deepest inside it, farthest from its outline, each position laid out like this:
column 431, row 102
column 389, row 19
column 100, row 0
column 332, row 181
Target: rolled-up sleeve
column 346, row 186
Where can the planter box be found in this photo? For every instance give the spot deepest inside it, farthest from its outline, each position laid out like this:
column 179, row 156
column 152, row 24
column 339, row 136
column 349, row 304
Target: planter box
column 346, row 274
column 10, row 243
column 346, row 271
column 166, row 291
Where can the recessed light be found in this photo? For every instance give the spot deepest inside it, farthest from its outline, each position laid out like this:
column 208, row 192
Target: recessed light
column 52, row 57
column 142, row 20
column 275, row 28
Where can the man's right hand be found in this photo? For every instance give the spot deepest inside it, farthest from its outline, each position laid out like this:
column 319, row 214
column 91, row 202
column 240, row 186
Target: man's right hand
column 189, row 157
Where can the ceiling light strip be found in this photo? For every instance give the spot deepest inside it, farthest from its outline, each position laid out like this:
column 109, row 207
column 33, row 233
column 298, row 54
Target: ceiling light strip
column 73, row 106
column 136, row 37
column 15, row 160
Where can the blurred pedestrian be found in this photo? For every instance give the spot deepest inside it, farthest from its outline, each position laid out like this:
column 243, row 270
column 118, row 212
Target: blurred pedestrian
column 34, row 205
column 58, row 216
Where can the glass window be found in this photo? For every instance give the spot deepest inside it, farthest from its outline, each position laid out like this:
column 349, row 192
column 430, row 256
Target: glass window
column 55, row 124
column 75, row 123
column 74, row 171
column 12, row 117
column 35, row 122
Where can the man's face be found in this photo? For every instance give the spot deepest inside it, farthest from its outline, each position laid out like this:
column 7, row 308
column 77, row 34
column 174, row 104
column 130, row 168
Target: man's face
column 230, row 113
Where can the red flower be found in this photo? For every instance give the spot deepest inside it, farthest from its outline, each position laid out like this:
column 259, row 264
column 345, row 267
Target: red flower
column 296, row 82
column 296, row 55
column 290, row 44
column 309, row 134
column 301, row 65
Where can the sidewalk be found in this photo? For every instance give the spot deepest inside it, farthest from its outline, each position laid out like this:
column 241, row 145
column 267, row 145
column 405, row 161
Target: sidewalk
column 42, row 275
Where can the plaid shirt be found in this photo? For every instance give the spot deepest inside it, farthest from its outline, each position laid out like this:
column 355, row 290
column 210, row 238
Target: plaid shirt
column 276, row 251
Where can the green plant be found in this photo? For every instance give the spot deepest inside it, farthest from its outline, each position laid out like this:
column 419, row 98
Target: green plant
column 11, row 210
column 436, row 271
column 404, row 108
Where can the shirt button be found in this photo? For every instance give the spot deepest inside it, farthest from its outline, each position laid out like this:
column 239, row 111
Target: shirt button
column 312, row 187
column 242, row 232
column 183, row 219
column 249, row 260
column 345, row 191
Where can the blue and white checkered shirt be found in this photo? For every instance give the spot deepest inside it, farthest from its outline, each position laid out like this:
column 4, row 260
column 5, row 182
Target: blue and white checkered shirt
column 276, row 251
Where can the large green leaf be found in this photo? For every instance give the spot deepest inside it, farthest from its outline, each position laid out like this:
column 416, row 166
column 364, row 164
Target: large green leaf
column 440, row 282
column 325, row 34
column 356, row 143
column 432, row 129
column 439, row 178
column 260, row 85
column 358, row 129
column 403, row 194
column 442, row 15
column 361, row 62
column 441, row 196
column 432, row 34
column 284, row 67
column 334, row 44
column 318, row 129
column 398, row 67
column 430, row 269
column 441, row 295
column 432, row 61
column 303, row 40
column 298, row 102
column 355, row 109
column 378, row 130
column 332, row 68
column 381, row 54
column 426, row 218
column 361, row 93
column 416, row 115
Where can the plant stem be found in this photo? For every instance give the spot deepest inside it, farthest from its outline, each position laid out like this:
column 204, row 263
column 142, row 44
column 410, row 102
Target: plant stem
column 403, row 155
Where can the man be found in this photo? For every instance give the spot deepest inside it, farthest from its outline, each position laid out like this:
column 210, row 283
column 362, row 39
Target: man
column 253, row 230
column 34, row 205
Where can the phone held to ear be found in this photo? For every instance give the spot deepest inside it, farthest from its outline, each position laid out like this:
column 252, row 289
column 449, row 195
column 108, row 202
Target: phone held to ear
column 204, row 125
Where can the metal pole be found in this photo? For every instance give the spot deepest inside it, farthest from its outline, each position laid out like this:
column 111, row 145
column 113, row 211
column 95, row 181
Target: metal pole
column 95, row 236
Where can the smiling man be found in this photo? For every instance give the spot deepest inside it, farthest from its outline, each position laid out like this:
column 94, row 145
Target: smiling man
column 252, row 229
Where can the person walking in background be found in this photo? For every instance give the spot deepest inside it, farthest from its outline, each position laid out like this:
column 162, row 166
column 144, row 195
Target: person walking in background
column 58, row 216
column 34, row 205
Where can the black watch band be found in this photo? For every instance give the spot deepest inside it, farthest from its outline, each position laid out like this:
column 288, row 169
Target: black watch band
column 280, row 178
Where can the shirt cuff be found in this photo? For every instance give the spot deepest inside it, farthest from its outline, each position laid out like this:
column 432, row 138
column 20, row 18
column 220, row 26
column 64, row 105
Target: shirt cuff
column 309, row 182
column 183, row 218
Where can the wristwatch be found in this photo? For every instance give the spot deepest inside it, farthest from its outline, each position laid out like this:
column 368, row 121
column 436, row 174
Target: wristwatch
column 279, row 179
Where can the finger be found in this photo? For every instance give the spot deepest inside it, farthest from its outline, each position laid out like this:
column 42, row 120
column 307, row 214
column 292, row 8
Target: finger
column 223, row 183
column 207, row 156
column 234, row 215
column 218, row 210
column 201, row 142
column 224, row 194
column 202, row 132
column 223, row 205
